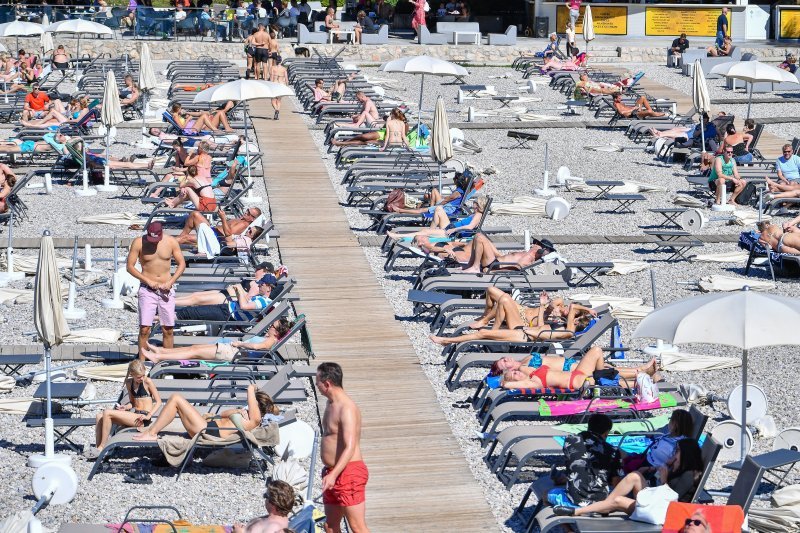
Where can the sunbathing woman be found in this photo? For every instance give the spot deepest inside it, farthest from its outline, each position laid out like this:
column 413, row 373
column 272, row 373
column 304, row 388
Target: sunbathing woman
column 441, row 225
column 18, row 146
column 542, row 331
column 197, row 121
column 485, row 256
column 641, row 109
column 221, row 351
column 531, row 363
column 76, row 111
column 247, row 285
column 223, row 425
column 196, row 190
column 785, row 242
column 449, row 203
column 396, row 130
column 144, row 403
column 502, row 309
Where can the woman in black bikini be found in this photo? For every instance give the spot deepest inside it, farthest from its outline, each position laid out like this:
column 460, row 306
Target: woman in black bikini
column 222, row 425
column 144, row 403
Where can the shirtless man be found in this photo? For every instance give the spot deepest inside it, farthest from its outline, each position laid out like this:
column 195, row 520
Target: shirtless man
column 261, row 41
column 369, row 113
column 780, row 240
column 235, row 225
column 274, row 50
column 641, row 109
column 278, row 74
column 279, row 501
column 484, row 253
column 155, row 252
column 345, row 475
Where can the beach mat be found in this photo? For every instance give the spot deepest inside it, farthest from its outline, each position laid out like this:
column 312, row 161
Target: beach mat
column 576, row 407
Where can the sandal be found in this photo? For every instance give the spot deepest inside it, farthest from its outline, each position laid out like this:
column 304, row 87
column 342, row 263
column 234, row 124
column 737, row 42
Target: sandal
column 138, row 478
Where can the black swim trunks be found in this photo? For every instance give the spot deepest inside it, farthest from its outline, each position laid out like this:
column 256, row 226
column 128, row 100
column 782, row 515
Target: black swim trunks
column 262, row 55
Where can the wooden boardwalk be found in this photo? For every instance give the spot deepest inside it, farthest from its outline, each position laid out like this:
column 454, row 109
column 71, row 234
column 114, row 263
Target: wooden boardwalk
column 419, row 479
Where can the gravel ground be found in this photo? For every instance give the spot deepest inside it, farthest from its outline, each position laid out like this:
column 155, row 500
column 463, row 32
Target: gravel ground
column 518, row 172
column 106, row 499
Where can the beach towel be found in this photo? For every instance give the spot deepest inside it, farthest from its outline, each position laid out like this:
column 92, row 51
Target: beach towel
column 93, row 336
column 605, row 148
column 746, row 218
column 178, row 526
column 629, row 187
column 726, row 257
column 688, row 201
column 27, row 263
column 687, row 362
column 175, row 448
column 721, row 518
column 624, row 266
column 207, row 242
column 521, row 206
column 620, row 428
column 105, row 372
column 114, row 219
column 576, row 407
column 626, row 308
column 728, row 284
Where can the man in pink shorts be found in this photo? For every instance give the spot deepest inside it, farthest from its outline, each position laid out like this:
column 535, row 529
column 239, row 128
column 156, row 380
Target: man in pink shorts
column 155, row 252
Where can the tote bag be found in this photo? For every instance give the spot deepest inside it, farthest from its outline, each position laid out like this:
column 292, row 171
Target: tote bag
column 652, row 503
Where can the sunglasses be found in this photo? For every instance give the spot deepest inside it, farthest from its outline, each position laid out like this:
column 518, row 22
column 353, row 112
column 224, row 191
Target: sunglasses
column 695, row 522
column 728, row 151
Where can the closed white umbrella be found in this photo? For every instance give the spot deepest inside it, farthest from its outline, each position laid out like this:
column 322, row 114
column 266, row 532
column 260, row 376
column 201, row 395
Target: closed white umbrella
column 147, row 82
column 48, row 318
column 243, row 91
column 47, row 42
column 423, row 65
column 753, row 72
column 19, row 28
column 744, row 319
column 79, row 27
column 441, row 145
column 588, row 27
column 700, row 98
column 110, row 116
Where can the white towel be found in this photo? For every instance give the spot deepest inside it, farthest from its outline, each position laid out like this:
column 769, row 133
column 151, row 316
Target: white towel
column 687, row 362
column 207, row 242
column 129, row 284
column 626, row 308
column 687, row 201
column 93, row 336
column 624, row 266
column 114, row 219
column 629, row 187
column 746, row 218
column 726, row 257
column 105, row 372
column 522, row 206
column 728, row 284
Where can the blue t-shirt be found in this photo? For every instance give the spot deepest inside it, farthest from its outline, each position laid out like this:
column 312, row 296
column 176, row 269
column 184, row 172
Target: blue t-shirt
column 237, row 313
column 722, row 23
column 50, row 138
column 790, row 167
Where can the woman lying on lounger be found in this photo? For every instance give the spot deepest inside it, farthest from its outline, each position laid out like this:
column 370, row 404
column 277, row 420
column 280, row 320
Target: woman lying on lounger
column 74, row 113
column 641, row 109
column 197, row 121
column 221, row 351
column 501, row 309
column 144, row 403
column 222, row 425
column 441, row 225
column 481, row 254
column 542, row 331
column 531, row 363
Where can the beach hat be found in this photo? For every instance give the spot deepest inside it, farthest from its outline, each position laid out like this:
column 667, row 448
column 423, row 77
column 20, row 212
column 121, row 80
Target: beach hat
column 268, row 279
column 155, row 232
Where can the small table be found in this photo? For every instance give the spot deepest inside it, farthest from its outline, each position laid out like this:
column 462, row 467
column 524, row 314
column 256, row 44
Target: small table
column 474, row 35
column 589, row 271
column 667, row 235
column 505, row 100
column 670, row 215
column 605, row 187
column 472, row 90
column 11, row 365
column 624, row 201
column 338, row 32
column 60, row 391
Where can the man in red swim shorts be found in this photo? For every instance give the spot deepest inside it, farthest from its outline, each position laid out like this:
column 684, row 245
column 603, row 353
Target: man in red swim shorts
column 344, row 478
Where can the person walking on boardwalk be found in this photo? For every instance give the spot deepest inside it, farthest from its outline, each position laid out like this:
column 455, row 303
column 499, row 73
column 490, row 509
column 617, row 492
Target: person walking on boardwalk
column 155, row 251
column 345, row 476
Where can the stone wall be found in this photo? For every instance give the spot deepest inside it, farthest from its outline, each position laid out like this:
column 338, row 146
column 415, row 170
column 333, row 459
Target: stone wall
column 471, row 54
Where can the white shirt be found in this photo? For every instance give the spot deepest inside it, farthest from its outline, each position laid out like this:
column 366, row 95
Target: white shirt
column 180, row 15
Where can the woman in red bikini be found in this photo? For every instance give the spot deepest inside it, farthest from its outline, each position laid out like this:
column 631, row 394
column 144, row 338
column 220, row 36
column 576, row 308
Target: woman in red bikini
column 544, row 376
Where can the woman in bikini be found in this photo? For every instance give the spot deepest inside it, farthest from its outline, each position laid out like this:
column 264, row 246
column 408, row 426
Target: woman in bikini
column 60, row 59
column 194, row 189
column 502, row 309
column 221, row 351
column 75, row 112
column 197, row 121
column 222, row 425
column 7, row 182
column 530, row 363
column 441, row 226
column 396, row 130
column 144, row 402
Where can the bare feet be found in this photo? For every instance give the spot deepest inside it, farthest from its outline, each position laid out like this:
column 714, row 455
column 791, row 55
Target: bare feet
column 150, row 356
column 153, row 348
column 145, row 437
column 438, row 340
column 478, row 324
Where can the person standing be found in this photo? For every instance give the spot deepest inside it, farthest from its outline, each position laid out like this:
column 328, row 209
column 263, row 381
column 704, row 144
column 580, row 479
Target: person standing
column 722, row 28
column 574, row 7
column 155, row 251
column 419, row 15
column 260, row 41
column 345, row 476
column 278, row 74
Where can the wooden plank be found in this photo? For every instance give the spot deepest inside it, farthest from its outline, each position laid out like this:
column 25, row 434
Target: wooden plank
column 406, row 439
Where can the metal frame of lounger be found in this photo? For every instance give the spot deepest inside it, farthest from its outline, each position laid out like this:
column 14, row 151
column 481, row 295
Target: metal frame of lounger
column 256, row 370
column 11, row 364
column 218, row 328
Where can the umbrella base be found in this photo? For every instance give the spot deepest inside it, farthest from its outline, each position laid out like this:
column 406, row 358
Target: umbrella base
column 5, row 277
column 656, row 349
column 85, row 192
column 37, row 460
column 110, row 303
column 722, row 207
column 106, row 188
column 544, row 192
column 74, row 313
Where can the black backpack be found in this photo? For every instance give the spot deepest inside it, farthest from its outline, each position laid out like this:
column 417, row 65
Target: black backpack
column 748, row 196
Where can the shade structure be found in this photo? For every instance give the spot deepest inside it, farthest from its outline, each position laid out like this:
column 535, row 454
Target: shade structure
column 744, row 319
column 78, row 27
column 423, row 65
column 48, row 317
column 20, row 28
column 147, row 74
column 242, row 91
column 47, row 42
column 110, row 116
column 441, row 145
column 588, row 27
column 700, row 97
column 753, row 72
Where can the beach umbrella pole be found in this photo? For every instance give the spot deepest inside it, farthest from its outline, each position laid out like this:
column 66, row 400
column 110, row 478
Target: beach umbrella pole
column 85, row 190
column 749, row 99
column 249, row 199
column 546, row 190
column 106, row 186
column 71, row 312
column 143, row 143
column 744, row 406
column 419, row 114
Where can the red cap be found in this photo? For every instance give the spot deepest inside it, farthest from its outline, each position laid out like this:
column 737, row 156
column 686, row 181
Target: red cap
column 154, row 233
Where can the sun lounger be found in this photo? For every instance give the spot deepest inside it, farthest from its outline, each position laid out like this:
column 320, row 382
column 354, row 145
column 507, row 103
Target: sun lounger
column 11, row 364
column 63, row 427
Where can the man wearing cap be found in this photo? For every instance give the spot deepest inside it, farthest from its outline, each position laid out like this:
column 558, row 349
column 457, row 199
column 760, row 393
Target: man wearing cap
column 155, row 252
column 486, row 256
column 243, row 308
column 249, row 285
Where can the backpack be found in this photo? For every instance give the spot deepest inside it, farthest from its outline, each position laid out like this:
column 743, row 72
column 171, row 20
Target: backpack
column 395, row 201
column 748, row 195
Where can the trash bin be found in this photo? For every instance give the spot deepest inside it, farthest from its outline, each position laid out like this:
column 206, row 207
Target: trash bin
column 540, row 27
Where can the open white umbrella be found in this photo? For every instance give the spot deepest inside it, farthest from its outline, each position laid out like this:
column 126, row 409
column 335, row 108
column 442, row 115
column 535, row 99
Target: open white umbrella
column 243, row 91
column 147, row 82
column 423, row 65
column 110, row 116
column 744, row 319
column 441, row 145
column 588, row 27
column 753, row 72
column 48, row 319
column 19, row 28
column 79, row 27
column 700, row 98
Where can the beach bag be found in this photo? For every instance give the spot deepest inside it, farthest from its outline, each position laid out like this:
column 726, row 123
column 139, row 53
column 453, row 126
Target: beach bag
column 410, row 202
column 652, row 503
column 395, row 201
column 646, row 390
